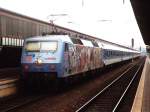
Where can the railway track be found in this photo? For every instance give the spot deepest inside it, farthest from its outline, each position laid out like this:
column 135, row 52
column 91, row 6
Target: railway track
column 28, row 100
column 22, row 102
column 21, row 97
column 109, row 99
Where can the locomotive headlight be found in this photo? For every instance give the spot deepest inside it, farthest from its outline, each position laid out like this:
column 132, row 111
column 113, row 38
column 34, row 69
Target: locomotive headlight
column 39, row 61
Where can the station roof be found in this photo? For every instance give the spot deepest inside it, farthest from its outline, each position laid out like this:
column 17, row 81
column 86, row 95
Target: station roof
column 86, row 36
column 141, row 9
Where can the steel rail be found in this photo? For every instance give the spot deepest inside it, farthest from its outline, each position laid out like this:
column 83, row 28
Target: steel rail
column 127, row 88
column 17, row 106
column 92, row 99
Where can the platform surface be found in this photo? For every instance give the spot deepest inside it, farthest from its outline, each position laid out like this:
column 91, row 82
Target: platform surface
column 142, row 98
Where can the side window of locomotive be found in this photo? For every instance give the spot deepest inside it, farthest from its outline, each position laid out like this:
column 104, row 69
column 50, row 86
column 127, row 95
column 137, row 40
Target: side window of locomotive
column 66, row 47
column 70, row 47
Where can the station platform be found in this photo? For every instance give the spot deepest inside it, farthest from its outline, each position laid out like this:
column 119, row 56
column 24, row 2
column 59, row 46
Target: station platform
column 142, row 98
column 8, row 81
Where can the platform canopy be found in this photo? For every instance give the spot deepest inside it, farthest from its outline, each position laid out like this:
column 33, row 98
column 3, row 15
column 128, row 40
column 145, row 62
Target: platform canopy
column 141, row 9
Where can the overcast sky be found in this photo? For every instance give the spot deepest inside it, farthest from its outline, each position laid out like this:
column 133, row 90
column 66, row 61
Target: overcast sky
column 107, row 19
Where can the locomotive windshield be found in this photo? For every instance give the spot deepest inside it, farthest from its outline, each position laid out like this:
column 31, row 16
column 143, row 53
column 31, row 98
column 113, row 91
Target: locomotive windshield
column 36, row 46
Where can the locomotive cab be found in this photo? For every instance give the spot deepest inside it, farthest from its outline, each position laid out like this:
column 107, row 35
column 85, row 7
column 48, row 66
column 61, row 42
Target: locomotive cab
column 42, row 56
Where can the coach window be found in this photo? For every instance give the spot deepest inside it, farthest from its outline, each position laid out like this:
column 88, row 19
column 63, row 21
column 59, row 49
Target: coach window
column 108, row 54
column 117, row 53
column 111, row 54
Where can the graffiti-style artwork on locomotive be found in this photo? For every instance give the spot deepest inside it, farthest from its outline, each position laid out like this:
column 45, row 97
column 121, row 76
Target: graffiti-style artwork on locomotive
column 80, row 59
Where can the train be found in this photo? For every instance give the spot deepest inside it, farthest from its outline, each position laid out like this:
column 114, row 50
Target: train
column 63, row 56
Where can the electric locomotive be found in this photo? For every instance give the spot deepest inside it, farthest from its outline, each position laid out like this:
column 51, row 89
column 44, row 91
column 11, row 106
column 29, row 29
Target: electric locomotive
column 57, row 56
